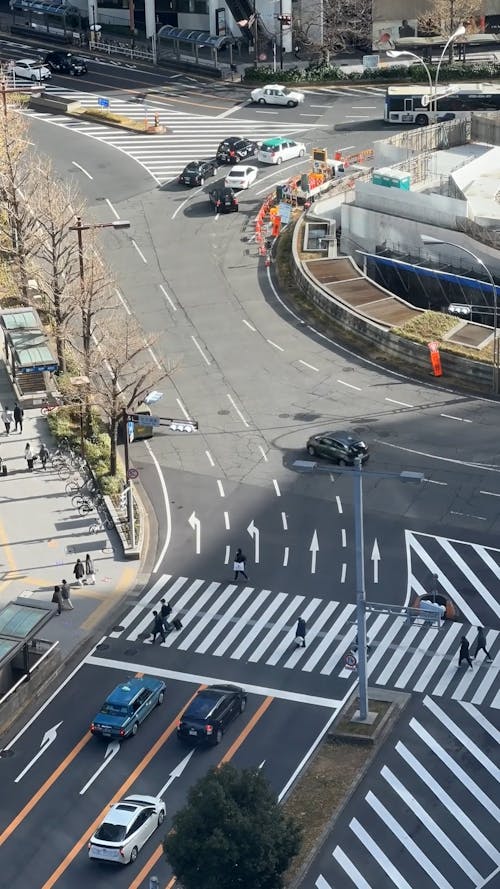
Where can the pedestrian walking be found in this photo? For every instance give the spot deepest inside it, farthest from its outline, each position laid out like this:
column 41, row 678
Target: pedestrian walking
column 79, row 572
column 239, row 565
column 18, row 417
column 29, row 457
column 463, row 654
column 89, row 569
column 43, row 455
column 157, row 627
column 165, row 611
column 66, row 595
column 8, row 419
column 300, row 633
column 481, row 644
column 57, row 598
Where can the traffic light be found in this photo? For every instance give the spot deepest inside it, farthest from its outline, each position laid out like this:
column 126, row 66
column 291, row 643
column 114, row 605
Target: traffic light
column 285, row 19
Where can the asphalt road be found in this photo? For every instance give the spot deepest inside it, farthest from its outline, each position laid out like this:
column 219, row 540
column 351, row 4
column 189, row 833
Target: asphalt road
column 259, row 382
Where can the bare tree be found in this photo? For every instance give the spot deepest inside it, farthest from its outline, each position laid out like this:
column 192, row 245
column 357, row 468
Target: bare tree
column 55, row 204
column 335, row 26
column 445, row 16
column 126, row 372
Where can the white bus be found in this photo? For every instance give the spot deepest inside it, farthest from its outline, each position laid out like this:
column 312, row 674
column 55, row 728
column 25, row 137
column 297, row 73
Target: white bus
column 412, row 104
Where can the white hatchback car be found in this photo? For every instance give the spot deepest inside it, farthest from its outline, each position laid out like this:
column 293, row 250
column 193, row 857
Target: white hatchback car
column 126, row 828
column 274, row 94
column 275, row 151
column 241, row 176
column 30, row 69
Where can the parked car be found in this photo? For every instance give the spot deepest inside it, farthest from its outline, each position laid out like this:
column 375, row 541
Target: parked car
column 126, row 827
column 235, row 149
column 127, row 706
column 30, row 69
column 65, row 63
column 275, row 151
column 274, row 94
column 339, row 447
column 241, row 177
column 223, row 200
column 196, row 172
column 210, row 712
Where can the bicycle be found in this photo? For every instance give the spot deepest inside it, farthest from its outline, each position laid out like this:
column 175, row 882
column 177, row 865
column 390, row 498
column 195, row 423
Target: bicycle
column 85, row 489
column 48, row 406
column 101, row 524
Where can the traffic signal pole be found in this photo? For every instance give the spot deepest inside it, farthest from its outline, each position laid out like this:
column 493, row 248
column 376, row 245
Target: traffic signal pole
column 130, row 493
column 281, row 34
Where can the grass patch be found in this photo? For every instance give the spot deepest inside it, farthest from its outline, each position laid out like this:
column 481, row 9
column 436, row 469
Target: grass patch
column 361, row 729
column 434, row 326
column 119, row 120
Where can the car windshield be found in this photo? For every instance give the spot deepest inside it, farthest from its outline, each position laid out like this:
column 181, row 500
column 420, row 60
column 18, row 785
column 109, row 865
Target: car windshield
column 193, row 168
column 112, row 833
column 202, row 705
column 236, row 174
column 111, row 709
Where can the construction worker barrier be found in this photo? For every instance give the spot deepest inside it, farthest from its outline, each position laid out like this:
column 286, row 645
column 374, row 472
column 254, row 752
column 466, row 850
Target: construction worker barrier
column 276, row 226
column 435, row 359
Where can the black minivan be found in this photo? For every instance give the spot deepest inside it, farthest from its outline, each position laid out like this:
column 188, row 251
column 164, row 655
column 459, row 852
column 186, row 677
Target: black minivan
column 223, row 200
column 65, row 63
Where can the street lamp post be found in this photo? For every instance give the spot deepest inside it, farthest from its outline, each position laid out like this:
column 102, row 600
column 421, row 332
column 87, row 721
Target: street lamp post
column 394, row 54
column 428, row 239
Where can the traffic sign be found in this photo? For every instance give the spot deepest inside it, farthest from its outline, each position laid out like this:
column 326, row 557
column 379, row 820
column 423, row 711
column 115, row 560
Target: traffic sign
column 103, row 103
column 144, row 419
column 133, row 473
column 182, row 427
column 350, row 659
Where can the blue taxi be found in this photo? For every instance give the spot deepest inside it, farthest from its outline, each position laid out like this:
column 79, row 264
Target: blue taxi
column 127, row 706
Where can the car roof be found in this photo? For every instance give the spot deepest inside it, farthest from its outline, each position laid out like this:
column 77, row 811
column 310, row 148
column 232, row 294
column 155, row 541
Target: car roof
column 34, row 62
column 240, row 168
column 276, row 141
column 206, row 699
column 128, row 690
column 342, row 435
column 274, row 86
column 122, row 813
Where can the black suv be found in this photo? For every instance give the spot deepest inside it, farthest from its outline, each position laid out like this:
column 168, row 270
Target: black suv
column 65, row 63
column 235, row 149
column 196, row 172
column 210, row 712
column 223, row 200
column 339, row 447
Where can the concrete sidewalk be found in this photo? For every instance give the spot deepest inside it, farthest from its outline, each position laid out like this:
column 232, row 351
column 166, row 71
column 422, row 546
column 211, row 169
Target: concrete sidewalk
column 42, row 535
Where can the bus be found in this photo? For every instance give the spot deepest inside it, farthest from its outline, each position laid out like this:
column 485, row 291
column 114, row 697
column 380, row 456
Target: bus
column 411, row 104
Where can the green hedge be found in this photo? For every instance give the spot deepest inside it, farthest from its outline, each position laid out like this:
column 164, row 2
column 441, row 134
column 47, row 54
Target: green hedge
column 413, row 74
column 65, row 423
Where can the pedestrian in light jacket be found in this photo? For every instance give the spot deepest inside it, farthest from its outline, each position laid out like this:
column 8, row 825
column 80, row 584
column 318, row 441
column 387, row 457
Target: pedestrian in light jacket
column 29, row 457
column 79, row 571
column 66, row 595
column 8, row 419
column 89, row 569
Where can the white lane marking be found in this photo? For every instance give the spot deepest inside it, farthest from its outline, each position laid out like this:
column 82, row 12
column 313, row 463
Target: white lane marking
column 490, row 493
column 468, row 515
column 276, row 487
column 310, row 366
column 351, row 870
column 227, row 555
column 128, row 667
column 304, row 114
column 167, row 509
column 344, row 540
column 250, row 326
column 349, row 385
column 165, row 294
column 473, row 579
column 451, row 417
column 226, row 521
column 82, row 170
column 401, row 403
column 210, row 458
column 220, row 487
column 356, row 117
column 183, row 409
column 266, row 112
column 275, row 345
column 124, row 304
column 485, row 466
column 343, row 572
column 365, row 107
column 110, row 205
column 200, row 350
column 339, row 504
column 378, row 855
column 138, row 610
column 230, row 111
column 454, row 729
column 153, row 356
column 141, row 254
column 286, row 553
column 184, row 202
column 284, row 521
column 236, row 408
column 431, row 481
column 264, row 455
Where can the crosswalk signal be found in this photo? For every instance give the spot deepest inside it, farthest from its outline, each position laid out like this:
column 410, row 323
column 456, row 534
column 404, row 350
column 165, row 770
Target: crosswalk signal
column 285, row 19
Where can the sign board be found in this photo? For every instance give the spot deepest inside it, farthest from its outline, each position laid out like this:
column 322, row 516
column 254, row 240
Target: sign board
column 144, row 419
column 103, row 103
column 350, row 660
column 285, row 212
column 38, row 369
column 130, row 431
column 153, row 397
column 320, row 154
column 371, row 61
column 133, row 473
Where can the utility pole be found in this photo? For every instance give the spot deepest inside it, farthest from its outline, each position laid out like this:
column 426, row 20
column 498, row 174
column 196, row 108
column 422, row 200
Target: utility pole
column 281, row 34
column 128, row 480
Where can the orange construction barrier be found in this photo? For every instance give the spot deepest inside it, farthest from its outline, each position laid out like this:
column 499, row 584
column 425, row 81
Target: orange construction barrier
column 276, row 226
column 437, row 370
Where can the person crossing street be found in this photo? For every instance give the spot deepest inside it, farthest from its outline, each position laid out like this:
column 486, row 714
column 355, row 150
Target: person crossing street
column 481, row 644
column 463, row 654
column 158, row 629
column 239, row 566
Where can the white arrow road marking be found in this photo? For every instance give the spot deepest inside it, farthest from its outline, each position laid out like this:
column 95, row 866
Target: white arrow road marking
column 177, row 772
column 255, row 535
column 111, row 751
column 196, row 526
column 226, row 557
column 48, row 739
column 375, row 557
column 262, row 764
column 313, row 549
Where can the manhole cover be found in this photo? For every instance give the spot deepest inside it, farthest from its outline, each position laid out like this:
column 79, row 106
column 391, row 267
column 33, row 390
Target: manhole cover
column 283, row 416
column 118, row 629
column 222, row 413
column 102, row 647
column 143, row 636
column 306, row 418
column 5, row 753
column 131, row 651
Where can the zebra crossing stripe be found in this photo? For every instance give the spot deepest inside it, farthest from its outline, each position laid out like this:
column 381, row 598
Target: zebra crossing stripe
column 415, row 659
column 145, row 623
column 349, row 868
column 258, row 626
column 406, row 841
column 380, row 857
column 285, row 643
column 292, row 609
column 469, row 745
column 434, row 829
column 137, row 610
column 470, row 575
column 294, row 658
column 445, row 583
column 225, row 619
column 193, row 612
column 456, row 770
column 236, row 630
column 382, row 646
column 451, row 671
column 492, row 565
column 456, row 811
column 437, row 659
column 482, row 721
column 205, row 618
column 321, row 883
column 398, row 655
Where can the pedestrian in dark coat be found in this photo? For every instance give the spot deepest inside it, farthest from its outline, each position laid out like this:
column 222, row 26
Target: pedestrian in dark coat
column 158, row 627
column 165, row 611
column 481, row 644
column 463, row 654
column 18, row 417
column 57, row 598
column 239, row 566
column 66, row 595
column 44, row 456
column 89, row 569
column 300, row 633
column 79, row 572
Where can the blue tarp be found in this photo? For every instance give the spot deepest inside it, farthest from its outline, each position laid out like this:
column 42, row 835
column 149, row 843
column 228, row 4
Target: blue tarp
column 423, row 271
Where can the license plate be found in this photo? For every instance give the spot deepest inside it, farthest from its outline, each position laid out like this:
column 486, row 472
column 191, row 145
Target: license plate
column 193, row 731
column 108, row 854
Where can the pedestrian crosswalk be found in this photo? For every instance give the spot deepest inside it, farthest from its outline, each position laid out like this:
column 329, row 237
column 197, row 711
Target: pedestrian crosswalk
column 346, row 91
column 163, row 156
column 429, row 816
column 257, row 626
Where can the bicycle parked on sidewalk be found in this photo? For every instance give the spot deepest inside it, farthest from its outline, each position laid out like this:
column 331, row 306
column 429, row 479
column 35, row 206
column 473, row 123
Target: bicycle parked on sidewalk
column 48, row 406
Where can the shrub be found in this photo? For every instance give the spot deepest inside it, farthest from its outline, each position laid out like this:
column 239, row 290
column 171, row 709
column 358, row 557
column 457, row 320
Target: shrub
column 320, row 72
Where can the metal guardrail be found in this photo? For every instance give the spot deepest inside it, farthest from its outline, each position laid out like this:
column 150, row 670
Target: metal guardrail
column 429, row 614
column 117, row 47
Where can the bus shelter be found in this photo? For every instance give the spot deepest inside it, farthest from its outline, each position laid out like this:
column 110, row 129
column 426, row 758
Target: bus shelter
column 27, row 349
column 185, row 40
column 428, row 46
column 20, row 645
column 51, row 17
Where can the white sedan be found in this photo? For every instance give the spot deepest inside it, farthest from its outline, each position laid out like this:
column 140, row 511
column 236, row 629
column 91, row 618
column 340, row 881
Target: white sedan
column 126, row 828
column 274, row 94
column 30, row 69
column 241, row 176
